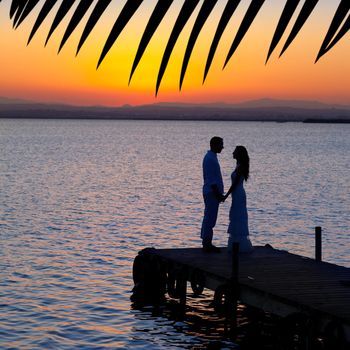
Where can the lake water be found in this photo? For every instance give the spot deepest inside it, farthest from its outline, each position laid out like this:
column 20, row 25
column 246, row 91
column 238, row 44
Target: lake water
column 79, row 199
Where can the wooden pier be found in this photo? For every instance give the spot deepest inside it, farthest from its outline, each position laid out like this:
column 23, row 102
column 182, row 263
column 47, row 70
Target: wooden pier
column 302, row 290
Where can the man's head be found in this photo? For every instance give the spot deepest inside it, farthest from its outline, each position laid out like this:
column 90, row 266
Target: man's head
column 216, row 144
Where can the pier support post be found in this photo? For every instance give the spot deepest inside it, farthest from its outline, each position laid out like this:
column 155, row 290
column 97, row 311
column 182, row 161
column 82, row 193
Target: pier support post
column 149, row 279
column 182, row 292
column 318, row 243
column 234, row 291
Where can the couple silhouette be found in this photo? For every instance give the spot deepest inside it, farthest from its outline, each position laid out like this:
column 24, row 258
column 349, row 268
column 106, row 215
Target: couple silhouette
column 213, row 194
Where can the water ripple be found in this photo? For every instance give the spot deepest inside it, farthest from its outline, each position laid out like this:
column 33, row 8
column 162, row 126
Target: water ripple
column 81, row 198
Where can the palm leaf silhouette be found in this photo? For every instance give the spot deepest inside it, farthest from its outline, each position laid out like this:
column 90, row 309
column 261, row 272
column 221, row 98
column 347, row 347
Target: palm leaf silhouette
column 16, row 10
column 14, row 7
column 230, row 8
column 127, row 12
column 158, row 14
column 305, row 12
column 286, row 16
column 48, row 5
column 20, row 10
column 248, row 19
column 79, row 13
column 23, row 13
column 61, row 13
column 203, row 15
column 345, row 28
column 328, row 43
column 99, row 9
column 184, row 15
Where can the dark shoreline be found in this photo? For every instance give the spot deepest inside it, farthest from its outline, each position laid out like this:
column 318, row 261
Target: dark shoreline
column 327, row 121
column 177, row 118
column 177, row 112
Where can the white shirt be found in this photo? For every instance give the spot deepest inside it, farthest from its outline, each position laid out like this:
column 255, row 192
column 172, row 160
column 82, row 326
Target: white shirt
column 212, row 173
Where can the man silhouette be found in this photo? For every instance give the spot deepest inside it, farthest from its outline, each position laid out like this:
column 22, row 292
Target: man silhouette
column 213, row 189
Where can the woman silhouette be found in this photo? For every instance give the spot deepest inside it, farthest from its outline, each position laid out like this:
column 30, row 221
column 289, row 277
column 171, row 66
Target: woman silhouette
column 238, row 227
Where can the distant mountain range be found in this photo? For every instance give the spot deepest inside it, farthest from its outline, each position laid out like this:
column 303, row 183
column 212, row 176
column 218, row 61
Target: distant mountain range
column 256, row 110
column 264, row 103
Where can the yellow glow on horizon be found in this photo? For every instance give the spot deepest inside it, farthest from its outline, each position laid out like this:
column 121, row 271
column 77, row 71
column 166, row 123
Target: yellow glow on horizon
column 39, row 73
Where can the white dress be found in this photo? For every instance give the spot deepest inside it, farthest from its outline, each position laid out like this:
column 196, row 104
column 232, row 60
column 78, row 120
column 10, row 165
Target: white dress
column 238, row 227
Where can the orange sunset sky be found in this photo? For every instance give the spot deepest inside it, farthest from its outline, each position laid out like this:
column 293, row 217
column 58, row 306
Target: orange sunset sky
column 38, row 73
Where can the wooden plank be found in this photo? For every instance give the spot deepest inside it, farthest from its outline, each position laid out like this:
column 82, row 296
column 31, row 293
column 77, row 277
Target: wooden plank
column 289, row 280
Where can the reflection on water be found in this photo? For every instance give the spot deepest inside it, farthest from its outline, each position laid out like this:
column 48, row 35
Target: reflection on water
column 204, row 329
column 81, row 198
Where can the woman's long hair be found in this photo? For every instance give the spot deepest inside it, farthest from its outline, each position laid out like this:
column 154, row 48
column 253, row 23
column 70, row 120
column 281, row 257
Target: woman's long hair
column 243, row 161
